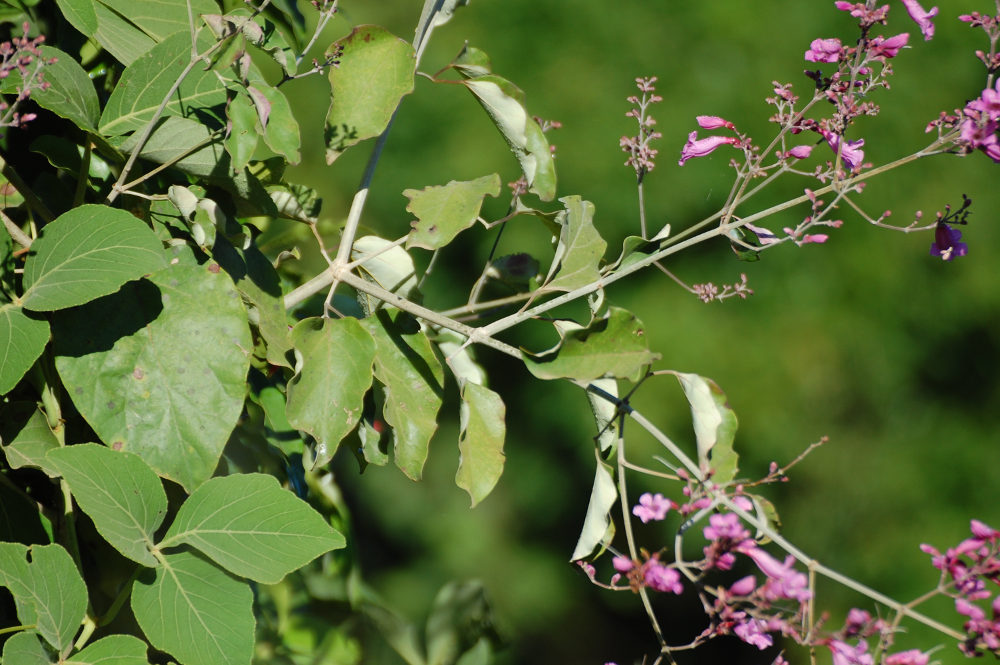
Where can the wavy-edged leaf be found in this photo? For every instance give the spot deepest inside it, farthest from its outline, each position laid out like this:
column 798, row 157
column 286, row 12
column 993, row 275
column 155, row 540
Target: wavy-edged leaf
column 615, row 346
column 375, row 72
column 598, row 529
column 195, row 611
column 414, row 386
column 480, row 443
column 87, row 253
column 111, row 650
column 580, row 247
column 22, row 340
column 145, row 83
column 164, row 376
column 120, row 493
column 252, row 527
column 48, row 590
column 714, row 426
column 325, row 395
column 445, row 211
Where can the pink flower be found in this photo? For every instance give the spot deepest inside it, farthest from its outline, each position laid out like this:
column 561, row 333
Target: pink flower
column 753, row 631
column 696, row 147
column 922, row 18
column 651, row 507
column 845, row 654
column 783, row 580
column 743, row 586
column 661, row 578
column 983, row 531
column 713, row 122
column 800, row 151
column 622, row 564
column 888, row 48
column 911, row 657
column 850, row 151
column 725, row 525
column 824, row 50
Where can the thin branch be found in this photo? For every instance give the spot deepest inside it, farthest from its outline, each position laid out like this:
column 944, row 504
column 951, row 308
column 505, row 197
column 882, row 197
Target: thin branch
column 19, row 236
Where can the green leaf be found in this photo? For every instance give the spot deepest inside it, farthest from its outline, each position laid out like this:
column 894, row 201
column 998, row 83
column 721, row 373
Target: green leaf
column 242, row 140
column 111, row 650
column 119, row 492
column 196, row 149
column 325, row 395
column 281, row 134
column 414, row 386
column 480, row 443
column 443, row 212
column 145, row 83
column 48, row 590
column 119, row 37
column 714, row 426
column 616, row 346
column 71, row 93
column 162, row 18
column 87, row 253
column 252, row 527
column 376, row 71
column 25, row 649
column 29, row 446
column 166, row 382
column 460, row 618
column 598, row 528
column 22, row 340
column 580, row 247
column 80, row 14
column 195, row 611
column 391, row 268
column 504, row 103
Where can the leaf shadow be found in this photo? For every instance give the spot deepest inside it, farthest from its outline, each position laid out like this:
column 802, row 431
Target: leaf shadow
column 96, row 326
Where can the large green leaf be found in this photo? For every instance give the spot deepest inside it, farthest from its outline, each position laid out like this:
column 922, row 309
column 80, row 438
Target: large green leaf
column 22, row 340
column 161, row 18
column 580, row 247
column 120, row 37
column 443, row 212
column 598, row 528
column 30, row 445
column 48, row 590
column 80, row 14
column 70, row 93
column 480, row 442
column 325, row 395
column 119, row 492
column 714, row 426
column 87, row 253
column 111, row 650
column 375, row 72
column 281, row 134
column 187, row 145
column 616, row 346
column 252, row 527
column 145, row 83
column 195, row 611
column 165, row 381
column 25, row 649
column 504, row 103
column 414, row 385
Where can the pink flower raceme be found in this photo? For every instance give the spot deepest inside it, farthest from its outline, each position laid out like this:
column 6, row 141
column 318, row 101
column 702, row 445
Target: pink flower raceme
column 783, row 581
column 921, row 17
column 946, row 243
column 662, row 578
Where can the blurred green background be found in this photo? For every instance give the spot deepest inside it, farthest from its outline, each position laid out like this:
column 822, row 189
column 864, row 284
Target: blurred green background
column 868, row 340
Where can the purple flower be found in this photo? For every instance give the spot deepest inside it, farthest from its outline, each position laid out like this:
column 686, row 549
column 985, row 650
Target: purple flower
column 824, row 50
column 850, row 151
column 845, row 654
column 651, row 507
column 713, row 122
column 696, row 147
column 922, row 18
column 888, row 48
column 946, row 243
column 783, row 580
column 752, row 631
column 661, row 578
column 725, row 525
column 800, row 151
column 622, row 564
column 911, row 657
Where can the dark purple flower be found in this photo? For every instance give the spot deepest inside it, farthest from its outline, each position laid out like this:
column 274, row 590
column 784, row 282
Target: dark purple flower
column 946, row 243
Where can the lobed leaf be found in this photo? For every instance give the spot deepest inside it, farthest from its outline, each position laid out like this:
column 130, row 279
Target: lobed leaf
column 164, row 376
column 195, row 611
column 87, row 253
column 376, row 71
column 615, row 346
column 325, row 395
column 22, row 339
column 443, row 212
column 480, row 442
column 252, row 527
column 714, row 426
column 120, row 493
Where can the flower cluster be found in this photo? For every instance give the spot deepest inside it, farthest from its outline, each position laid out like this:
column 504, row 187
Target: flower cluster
column 22, row 57
column 641, row 156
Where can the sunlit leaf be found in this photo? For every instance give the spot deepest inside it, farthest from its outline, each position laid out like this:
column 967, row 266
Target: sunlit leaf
column 714, row 426
column 71, row 93
column 597, row 526
column 111, row 650
column 580, row 247
column 22, row 339
column 282, row 131
column 161, row 18
column 375, row 72
column 480, row 443
column 164, row 375
column 242, row 139
column 87, row 253
column 120, row 493
column 195, row 611
column 187, row 145
column 252, row 527
column 616, row 346
column 391, row 267
column 25, row 648
column 443, row 212
column 325, row 395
